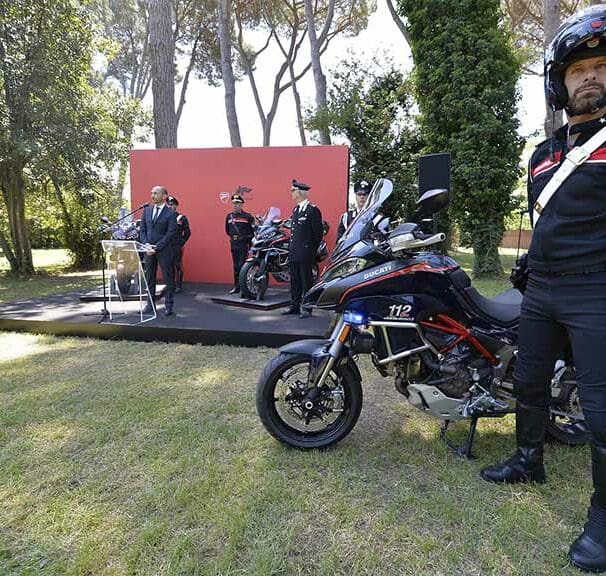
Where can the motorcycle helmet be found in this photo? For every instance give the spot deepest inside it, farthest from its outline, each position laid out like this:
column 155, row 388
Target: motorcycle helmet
column 172, row 201
column 582, row 35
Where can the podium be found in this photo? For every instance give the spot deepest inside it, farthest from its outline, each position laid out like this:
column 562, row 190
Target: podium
column 125, row 289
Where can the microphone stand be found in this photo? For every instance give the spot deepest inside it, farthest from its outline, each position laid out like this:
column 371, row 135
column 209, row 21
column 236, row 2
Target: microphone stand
column 104, row 311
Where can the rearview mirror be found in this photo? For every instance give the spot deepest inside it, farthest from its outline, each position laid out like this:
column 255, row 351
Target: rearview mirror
column 432, row 201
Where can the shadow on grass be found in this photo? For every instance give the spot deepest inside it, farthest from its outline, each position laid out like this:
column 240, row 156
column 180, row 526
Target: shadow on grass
column 149, row 459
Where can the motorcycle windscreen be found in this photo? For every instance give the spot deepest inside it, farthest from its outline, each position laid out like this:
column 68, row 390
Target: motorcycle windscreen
column 380, row 192
column 272, row 214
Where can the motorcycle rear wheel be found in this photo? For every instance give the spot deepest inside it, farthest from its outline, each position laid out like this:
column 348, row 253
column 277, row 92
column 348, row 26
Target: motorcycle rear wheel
column 280, row 393
column 249, row 287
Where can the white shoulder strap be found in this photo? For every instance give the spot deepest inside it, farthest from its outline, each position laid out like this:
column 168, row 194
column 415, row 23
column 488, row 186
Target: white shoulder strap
column 573, row 159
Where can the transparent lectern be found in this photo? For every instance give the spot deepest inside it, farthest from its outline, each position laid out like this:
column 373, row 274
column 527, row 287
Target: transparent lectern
column 125, row 290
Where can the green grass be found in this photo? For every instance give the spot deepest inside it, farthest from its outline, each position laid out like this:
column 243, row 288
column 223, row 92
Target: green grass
column 108, row 470
column 53, row 276
column 490, row 287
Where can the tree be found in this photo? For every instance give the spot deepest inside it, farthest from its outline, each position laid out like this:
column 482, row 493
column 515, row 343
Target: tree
column 373, row 108
column 227, row 72
column 314, row 44
column 44, row 53
column 162, row 56
column 284, row 22
column 465, row 78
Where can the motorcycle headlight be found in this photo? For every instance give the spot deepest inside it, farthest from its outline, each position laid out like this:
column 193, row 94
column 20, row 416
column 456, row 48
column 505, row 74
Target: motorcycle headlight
column 346, row 268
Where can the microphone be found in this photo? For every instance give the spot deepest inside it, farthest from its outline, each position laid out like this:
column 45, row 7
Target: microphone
column 143, row 206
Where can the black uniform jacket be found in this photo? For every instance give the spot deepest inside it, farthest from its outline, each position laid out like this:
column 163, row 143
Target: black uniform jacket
column 162, row 233
column 183, row 229
column 240, row 227
column 345, row 221
column 306, row 233
column 570, row 235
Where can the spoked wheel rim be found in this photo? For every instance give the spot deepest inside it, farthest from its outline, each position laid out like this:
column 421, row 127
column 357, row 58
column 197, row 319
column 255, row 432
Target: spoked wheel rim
column 252, row 285
column 568, row 419
column 309, row 411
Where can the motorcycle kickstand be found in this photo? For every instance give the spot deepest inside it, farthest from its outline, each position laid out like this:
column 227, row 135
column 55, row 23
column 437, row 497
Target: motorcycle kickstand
column 464, row 450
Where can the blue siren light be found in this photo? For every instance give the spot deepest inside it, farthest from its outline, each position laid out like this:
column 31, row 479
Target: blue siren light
column 353, row 317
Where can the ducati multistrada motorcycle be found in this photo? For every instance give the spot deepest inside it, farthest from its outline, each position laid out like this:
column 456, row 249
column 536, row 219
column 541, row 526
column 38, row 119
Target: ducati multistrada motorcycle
column 450, row 350
column 125, row 278
column 269, row 255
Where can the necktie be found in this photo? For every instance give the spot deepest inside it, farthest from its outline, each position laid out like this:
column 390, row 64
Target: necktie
column 155, row 216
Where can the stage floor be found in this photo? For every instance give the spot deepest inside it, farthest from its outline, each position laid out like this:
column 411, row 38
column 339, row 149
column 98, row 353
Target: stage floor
column 197, row 319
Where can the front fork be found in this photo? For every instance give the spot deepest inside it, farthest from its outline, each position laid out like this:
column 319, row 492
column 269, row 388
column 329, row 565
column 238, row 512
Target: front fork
column 323, row 359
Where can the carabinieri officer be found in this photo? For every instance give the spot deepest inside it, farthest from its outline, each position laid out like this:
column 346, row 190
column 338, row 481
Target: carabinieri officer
column 305, row 238
column 239, row 226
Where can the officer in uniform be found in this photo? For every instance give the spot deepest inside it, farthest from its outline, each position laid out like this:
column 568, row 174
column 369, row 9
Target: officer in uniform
column 566, row 293
column 305, row 238
column 239, row 226
column 183, row 234
column 361, row 190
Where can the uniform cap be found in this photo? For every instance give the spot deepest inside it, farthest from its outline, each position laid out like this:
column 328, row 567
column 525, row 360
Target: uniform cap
column 362, row 188
column 296, row 185
column 172, row 201
column 237, row 198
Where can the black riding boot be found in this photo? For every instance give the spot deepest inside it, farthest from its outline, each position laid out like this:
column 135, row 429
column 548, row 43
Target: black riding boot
column 588, row 551
column 526, row 465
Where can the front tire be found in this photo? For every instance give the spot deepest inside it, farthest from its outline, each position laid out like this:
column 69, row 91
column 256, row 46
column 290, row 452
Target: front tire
column 280, row 398
column 249, row 287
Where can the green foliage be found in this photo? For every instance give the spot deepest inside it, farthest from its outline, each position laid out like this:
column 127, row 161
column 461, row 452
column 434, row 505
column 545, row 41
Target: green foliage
column 62, row 132
column 373, row 109
column 465, row 79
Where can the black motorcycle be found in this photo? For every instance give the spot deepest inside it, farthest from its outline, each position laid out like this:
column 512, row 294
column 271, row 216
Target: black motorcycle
column 450, row 350
column 269, row 255
column 125, row 280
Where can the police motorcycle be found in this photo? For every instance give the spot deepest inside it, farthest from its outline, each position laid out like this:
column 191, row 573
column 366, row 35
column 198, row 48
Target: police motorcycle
column 269, row 255
column 123, row 229
column 450, row 350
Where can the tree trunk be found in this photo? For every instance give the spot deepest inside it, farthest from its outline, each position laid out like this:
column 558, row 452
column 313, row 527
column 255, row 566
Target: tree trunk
column 551, row 21
column 297, row 97
column 227, row 72
column 319, row 78
column 13, row 190
column 162, row 52
column 486, row 259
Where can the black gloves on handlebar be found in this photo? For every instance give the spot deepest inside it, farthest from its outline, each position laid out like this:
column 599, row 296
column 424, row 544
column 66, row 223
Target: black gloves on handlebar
column 520, row 272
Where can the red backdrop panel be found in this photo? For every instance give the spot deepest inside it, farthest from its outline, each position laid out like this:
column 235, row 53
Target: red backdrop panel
column 198, row 176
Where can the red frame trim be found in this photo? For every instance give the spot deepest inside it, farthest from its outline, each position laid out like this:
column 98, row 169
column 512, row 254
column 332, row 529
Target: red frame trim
column 451, row 326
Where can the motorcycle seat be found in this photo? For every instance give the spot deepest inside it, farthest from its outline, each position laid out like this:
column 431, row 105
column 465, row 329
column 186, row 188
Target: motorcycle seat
column 503, row 310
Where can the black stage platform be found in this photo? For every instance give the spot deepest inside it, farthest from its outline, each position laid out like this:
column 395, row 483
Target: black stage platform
column 198, row 320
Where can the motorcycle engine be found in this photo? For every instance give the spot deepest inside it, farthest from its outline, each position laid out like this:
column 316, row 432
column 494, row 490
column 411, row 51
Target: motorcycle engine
column 456, row 376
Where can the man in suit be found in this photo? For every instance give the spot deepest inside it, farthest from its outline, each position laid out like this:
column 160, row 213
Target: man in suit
column 159, row 231
column 361, row 190
column 305, row 238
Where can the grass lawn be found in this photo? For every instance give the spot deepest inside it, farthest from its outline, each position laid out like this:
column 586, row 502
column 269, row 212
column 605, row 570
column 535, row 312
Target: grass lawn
column 53, row 276
column 106, row 469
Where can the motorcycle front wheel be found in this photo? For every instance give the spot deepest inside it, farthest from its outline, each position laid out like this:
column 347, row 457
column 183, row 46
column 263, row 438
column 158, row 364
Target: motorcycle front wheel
column 307, row 417
column 250, row 287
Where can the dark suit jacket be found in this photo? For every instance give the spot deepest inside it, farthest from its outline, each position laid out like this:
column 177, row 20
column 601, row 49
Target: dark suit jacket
column 163, row 233
column 306, row 233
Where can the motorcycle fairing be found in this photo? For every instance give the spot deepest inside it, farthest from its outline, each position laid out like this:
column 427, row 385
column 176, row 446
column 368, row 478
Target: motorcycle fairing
column 423, row 272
